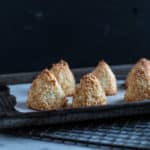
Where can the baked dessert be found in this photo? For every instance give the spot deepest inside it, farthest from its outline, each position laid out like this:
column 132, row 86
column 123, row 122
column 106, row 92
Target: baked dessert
column 106, row 78
column 46, row 93
column 139, row 85
column 64, row 76
column 140, row 62
column 89, row 92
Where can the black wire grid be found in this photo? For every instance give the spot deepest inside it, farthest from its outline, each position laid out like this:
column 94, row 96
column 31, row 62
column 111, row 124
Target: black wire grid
column 131, row 134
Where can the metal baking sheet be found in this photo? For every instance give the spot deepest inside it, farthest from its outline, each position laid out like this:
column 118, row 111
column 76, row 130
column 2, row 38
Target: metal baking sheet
column 20, row 91
column 21, row 116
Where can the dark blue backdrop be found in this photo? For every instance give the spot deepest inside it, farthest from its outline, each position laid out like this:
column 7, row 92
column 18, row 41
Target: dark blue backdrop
column 35, row 33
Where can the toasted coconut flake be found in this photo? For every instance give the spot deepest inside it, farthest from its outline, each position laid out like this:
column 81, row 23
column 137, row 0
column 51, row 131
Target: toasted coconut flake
column 89, row 92
column 106, row 78
column 46, row 93
column 139, row 85
column 64, row 76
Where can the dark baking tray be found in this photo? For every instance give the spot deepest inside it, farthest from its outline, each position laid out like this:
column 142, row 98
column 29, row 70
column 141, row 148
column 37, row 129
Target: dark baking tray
column 11, row 118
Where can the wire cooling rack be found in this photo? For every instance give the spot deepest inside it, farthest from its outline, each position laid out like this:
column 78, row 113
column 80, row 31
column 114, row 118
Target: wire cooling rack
column 121, row 134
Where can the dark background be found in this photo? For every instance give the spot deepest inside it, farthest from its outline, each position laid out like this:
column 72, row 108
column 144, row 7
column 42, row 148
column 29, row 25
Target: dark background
column 35, row 33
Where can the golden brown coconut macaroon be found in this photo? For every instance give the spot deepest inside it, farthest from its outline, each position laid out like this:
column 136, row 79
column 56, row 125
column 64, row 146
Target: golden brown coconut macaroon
column 64, row 76
column 106, row 77
column 46, row 93
column 139, row 85
column 89, row 92
column 140, row 62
